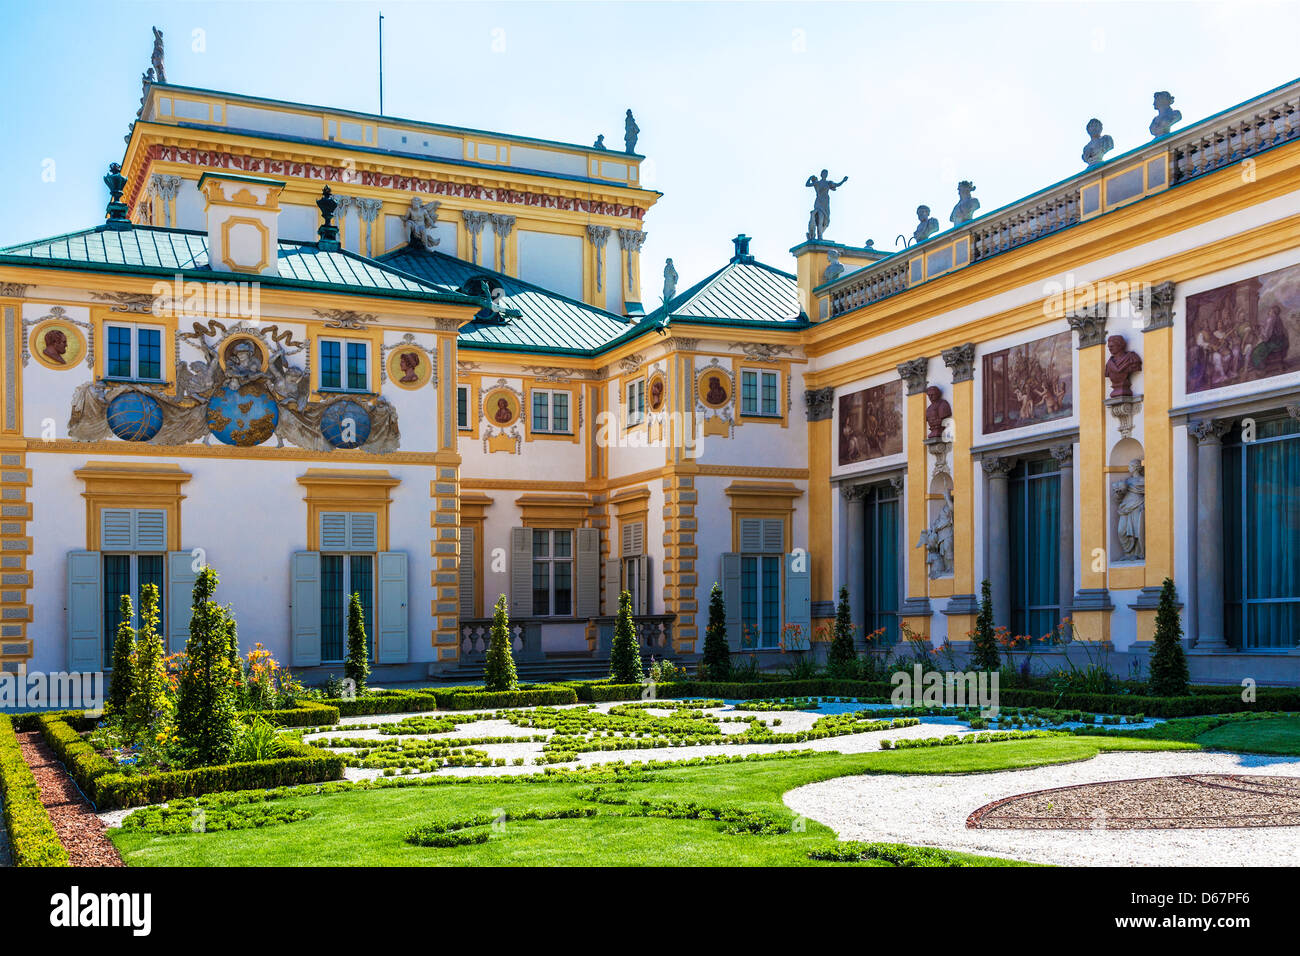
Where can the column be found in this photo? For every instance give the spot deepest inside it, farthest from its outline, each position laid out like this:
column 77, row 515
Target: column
column 1092, row 608
column 963, row 605
column 1209, row 532
column 997, row 523
column 915, row 608
column 855, row 556
column 501, row 228
column 1064, row 455
column 474, row 223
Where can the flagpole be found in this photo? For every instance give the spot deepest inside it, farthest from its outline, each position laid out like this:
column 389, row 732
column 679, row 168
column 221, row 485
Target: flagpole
column 381, row 64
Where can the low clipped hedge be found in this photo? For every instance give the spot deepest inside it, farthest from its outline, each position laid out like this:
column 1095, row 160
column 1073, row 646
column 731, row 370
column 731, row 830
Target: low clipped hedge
column 534, row 695
column 387, row 702
column 109, row 789
column 307, row 714
column 32, row 838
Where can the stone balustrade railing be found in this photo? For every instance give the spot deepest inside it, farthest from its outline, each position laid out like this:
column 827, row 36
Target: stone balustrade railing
column 654, row 633
column 654, row 636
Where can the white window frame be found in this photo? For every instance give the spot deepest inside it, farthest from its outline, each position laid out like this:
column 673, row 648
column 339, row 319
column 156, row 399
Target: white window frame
column 345, row 378
column 550, row 394
column 551, row 560
column 134, row 328
column 346, row 560
column 463, row 424
column 635, row 396
column 756, row 410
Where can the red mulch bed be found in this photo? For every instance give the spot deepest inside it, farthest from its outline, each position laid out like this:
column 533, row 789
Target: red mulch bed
column 82, row 833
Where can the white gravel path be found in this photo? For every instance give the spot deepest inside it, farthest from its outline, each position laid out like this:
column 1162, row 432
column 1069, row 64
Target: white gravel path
column 931, row 810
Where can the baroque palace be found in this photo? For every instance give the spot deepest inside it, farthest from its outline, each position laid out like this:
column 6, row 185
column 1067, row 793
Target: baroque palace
column 328, row 352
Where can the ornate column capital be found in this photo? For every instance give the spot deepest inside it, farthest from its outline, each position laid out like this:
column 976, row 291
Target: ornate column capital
column 1090, row 324
column 898, row 483
column 1209, row 431
column 502, row 224
column 474, row 221
column 913, row 373
column 369, row 209
column 854, row 493
column 1156, row 305
column 1064, row 454
column 820, row 402
column 598, row 236
column 631, row 239
column 995, row 467
column 961, row 359
column 1294, row 410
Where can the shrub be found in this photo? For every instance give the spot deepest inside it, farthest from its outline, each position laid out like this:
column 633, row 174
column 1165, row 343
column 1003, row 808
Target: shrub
column 258, row 740
column 624, row 655
column 32, row 837
column 842, row 658
column 1169, row 676
column 357, row 667
column 122, row 682
column 984, row 652
column 540, row 695
column 716, row 662
column 499, row 668
column 149, row 695
column 205, row 708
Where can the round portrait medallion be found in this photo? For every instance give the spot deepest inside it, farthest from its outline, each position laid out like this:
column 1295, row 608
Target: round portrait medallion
column 409, row 367
column 714, row 387
column 57, row 344
column 501, row 407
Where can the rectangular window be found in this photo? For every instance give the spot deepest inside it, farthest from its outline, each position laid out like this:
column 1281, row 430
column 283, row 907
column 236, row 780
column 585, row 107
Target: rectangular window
column 760, row 600
column 344, row 366
column 342, row 575
column 462, row 407
column 636, row 402
column 760, row 392
column 128, row 574
column 1035, row 499
column 552, row 572
column 632, row 581
column 550, row 412
column 134, row 352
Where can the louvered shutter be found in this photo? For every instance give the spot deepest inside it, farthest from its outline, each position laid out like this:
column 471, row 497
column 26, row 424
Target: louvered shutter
column 180, row 598
column 762, row 535
column 334, row 531
column 304, row 617
column 116, row 529
column 731, row 598
column 85, row 611
column 363, row 531
column 587, row 572
column 773, row 534
column 643, row 589
column 150, row 530
column 391, row 640
column 613, row 584
column 466, row 570
column 521, row 572
column 633, row 539
column 798, row 593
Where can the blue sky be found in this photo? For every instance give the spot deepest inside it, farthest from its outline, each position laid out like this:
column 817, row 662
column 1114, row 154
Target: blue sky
column 737, row 102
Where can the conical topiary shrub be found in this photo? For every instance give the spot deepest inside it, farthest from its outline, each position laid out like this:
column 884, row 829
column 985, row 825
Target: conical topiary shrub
column 357, row 666
column 624, row 655
column 149, row 696
column 842, row 657
column 716, row 662
column 1169, row 677
column 499, row 668
column 122, row 682
column 984, row 649
column 206, row 716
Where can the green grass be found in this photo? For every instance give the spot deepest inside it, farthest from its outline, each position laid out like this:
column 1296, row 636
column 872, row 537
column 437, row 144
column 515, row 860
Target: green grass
column 1273, row 735
column 367, row 828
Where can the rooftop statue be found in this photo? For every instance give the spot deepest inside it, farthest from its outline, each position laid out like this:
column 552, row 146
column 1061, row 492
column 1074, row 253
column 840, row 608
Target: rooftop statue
column 630, row 132
column 834, row 268
column 967, row 205
column 156, row 58
column 1166, row 115
column 670, row 281
column 926, row 225
column 600, row 142
column 820, row 217
column 1099, row 145
column 419, row 221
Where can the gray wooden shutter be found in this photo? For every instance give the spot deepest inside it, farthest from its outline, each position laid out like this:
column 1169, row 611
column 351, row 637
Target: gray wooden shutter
column 391, row 641
column 521, row 572
column 613, row 584
column 85, row 611
column 798, row 594
column 363, row 531
column 150, row 531
column 587, row 572
column 116, row 529
column 466, row 571
column 643, row 589
column 731, row 597
column 180, row 599
column 304, row 617
column 333, row 531
column 773, row 534
column 633, row 539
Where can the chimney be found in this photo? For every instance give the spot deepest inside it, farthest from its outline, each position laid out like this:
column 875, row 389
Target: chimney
column 242, row 214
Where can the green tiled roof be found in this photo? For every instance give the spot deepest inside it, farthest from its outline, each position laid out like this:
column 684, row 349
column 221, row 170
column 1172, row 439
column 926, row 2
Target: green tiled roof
column 742, row 291
column 545, row 320
column 152, row 250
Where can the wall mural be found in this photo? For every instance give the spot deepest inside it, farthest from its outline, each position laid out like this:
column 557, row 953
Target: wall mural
column 241, row 392
column 1244, row 331
column 1029, row 383
column 871, row 423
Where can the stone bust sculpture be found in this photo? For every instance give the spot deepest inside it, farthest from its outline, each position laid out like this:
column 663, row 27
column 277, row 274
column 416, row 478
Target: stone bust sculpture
column 1166, row 115
column 1121, row 366
column 1099, row 144
column 967, row 205
column 834, row 268
column 926, row 225
column 937, row 412
column 1130, row 503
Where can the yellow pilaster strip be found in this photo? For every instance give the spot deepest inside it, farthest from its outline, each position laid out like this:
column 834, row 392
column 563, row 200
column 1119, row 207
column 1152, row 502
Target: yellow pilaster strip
column 1093, row 625
column 963, row 476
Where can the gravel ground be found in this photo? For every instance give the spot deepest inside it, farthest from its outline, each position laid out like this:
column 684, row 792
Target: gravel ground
column 930, row 810
column 79, row 828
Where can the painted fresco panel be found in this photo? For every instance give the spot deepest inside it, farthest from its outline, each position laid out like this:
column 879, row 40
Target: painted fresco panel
column 1244, row 331
column 871, row 423
column 1028, row 383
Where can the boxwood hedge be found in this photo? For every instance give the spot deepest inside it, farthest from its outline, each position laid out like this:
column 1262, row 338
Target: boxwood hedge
column 32, row 838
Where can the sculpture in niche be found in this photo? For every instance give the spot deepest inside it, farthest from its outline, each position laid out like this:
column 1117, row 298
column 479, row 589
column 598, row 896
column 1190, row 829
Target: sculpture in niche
column 926, row 225
column 967, row 205
column 820, row 217
column 937, row 540
column 1121, row 366
column 1166, row 115
column 834, row 268
column 1130, row 500
column 630, row 132
column 419, row 221
column 937, row 412
column 670, row 280
column 503, row 414
column 1099, row 144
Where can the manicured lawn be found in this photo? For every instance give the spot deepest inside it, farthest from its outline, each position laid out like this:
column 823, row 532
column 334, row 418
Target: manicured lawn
column 1276, row 735
column 367, row 828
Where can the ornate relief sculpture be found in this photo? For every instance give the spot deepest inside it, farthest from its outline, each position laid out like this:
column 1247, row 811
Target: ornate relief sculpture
column 1121, row 366
column 820, row 217
column 834, row 268
column 937, row 540
column 1130, row 499
column 419, row 221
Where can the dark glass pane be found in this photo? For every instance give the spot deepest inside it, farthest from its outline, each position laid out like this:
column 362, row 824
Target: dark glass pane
column 462, row 408
column 748, row 601
column 1234, row 513
column 117, row 581
column 541, row 586
column 771, row 629
column 563, row 543
column 362, row 582
column 119, row 351
column 749, row 392
column 149, row 570
column 541, row 412
column 560, row 412
column 150, row 345
column 770, row 403
column 563, row 587
column 331, row 365
column 357, row 366
column 331, row 607
column 1271, row 541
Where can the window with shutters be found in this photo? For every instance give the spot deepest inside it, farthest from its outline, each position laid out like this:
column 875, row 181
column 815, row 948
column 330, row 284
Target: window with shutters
column 134, row 352
column 550, row 412
column 762, row 557
column 348, row 544
column 635, row 565
column 552, row 572
column 133, row 554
